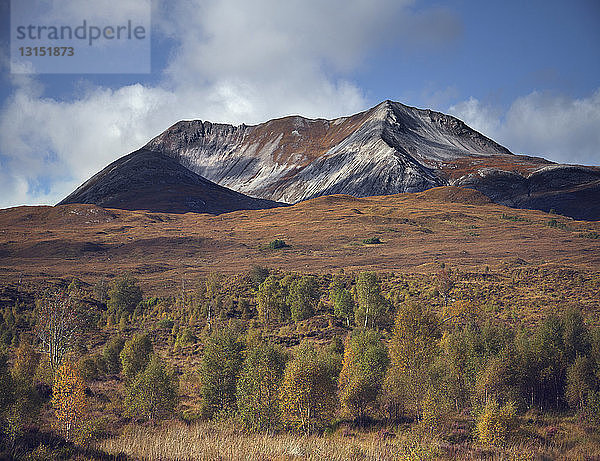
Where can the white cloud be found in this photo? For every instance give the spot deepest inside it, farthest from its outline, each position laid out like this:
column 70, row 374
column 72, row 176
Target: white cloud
column 235, row 61
column 558, row 128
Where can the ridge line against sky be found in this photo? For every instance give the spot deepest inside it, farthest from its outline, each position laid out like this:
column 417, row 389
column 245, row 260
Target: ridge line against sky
column 525, row 75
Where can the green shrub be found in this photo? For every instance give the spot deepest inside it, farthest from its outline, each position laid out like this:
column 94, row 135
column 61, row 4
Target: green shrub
column 165, row 323
column 514, row 218
column 154, row 392
column 219, row 371
column 556, row 224
column 277, row 244
column 185, row 337
column 258, row 274
column 308, row 391
column 372, row 241
column 257, row 387
column 111, row 354
column 363, row 371
column 88, row 369
column 303, row 297
column 135, row 355
column 124, row 294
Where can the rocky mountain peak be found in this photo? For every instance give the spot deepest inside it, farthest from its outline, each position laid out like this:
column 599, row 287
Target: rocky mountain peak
column 388, row 149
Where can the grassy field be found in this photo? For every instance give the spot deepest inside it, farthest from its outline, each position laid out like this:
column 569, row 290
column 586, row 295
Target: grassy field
column 418, row 232
column 541, row 438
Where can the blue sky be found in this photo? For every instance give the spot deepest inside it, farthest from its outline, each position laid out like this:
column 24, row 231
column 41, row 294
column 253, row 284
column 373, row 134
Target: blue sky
column 526, row 74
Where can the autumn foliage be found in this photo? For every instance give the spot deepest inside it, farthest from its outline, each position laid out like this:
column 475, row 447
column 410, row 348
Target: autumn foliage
column 308, row 391
column 68, row 399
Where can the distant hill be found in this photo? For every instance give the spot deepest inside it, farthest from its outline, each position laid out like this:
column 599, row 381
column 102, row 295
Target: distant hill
column 145, row 180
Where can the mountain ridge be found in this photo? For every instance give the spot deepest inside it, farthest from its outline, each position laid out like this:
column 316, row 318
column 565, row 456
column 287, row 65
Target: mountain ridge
column 388, row 149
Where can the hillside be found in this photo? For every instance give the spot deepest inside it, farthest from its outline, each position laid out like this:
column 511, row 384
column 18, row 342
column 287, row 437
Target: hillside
column 145, row 180
column 418, row 232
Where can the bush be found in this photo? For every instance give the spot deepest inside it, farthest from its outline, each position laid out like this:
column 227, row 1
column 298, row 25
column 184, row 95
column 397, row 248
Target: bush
column 303, row 297
column 496, row 423
column 271, row 300
column 124, row 294
column 581, row 382
column 277, row 244
column 372, row 241
column 219, row 371
column 135, row 355
column 153, row 394
column 556, row 224
column 371, row 310
column 363, row 371
column 111, row 354
column 185, row 337
column 308, row 391
column 258, row 274
column 165, row 323
column 88, row 369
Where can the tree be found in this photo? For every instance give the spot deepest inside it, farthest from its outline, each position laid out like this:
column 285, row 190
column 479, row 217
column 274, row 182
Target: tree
column 363, row 369
column 341, row 299
column 26, row 361
column 25, row 403
column 124, row 294
column 68, row 399
column 444, row 284
column 413, row 346
column 303, row 297
column 6, row 384
column 372, row 306
column 135, row 355
column 548, row 362
column 60, row 323
column 581, row 382
column 308, row 391
column 213, row 289
column 258, row 274
column 219, row 371
column 153, row 393
column 464, row 354
column 271, row 301
column 576, row 337
column 258, row 386
column 111, row 354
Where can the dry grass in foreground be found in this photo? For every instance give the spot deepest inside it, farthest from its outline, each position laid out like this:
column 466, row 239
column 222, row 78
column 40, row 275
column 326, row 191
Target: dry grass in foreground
column 222, row 441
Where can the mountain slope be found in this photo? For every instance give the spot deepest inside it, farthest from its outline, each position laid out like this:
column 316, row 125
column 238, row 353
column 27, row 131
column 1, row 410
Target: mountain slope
column 145, row 180
column 391, row 148
column 388, row 149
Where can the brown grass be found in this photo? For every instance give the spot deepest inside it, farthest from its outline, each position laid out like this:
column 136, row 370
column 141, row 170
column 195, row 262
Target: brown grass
column 222, row 441
column 418, row 232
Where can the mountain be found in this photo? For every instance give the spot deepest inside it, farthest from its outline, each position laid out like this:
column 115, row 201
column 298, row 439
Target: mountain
column 388, row 149
column 145, row 180
column 391, row 148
